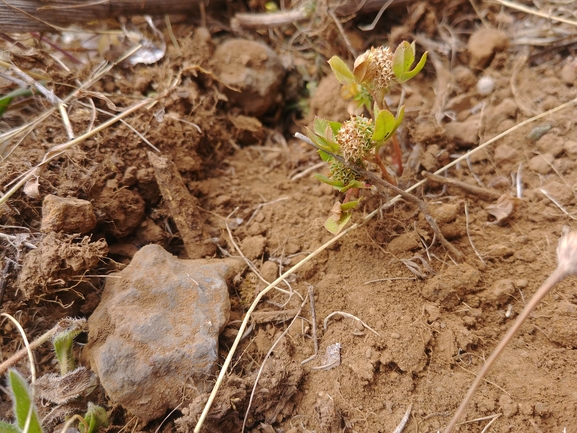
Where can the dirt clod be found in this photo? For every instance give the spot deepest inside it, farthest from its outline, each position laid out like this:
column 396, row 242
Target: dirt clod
column 251, row 72
column 448, row 287
column 67, row 215
column 542, row 163
column 483, row 44
column 57, row 259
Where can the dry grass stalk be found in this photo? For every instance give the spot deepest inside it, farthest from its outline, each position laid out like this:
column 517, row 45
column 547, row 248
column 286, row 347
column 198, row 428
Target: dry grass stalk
column 567, row 265
column 60, row 326
column 527, row 10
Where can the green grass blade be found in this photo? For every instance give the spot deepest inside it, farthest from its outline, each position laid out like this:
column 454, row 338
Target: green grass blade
column 23, row 403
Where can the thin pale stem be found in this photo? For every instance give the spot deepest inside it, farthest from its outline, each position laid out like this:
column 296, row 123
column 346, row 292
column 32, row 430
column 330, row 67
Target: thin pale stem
column 559, row 274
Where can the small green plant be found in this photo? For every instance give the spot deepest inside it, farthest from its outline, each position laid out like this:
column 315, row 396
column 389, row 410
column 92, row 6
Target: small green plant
column 357, row 141
column 26, row 413
column 63, row 344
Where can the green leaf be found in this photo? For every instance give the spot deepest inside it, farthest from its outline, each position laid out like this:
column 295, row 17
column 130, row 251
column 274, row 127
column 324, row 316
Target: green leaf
column 4, row 104
column 349, row 205
column 337, row 184
column 321, row 142
column 62, row 343
column 324, row 156
column 95, row 417
column 335, row 126
column 23, row 403
column 323, row 127
column 341, row 70
column 8, row 428
column 320, row 125
column 403, row 59
column 384, row 125
column 335, row 226
column 353, row 184
column 6, row 100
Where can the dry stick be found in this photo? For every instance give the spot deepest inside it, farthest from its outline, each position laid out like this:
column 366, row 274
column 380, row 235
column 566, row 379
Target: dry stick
column 484, row 193
column 567, row 265
column 182, row 205
column 353, row 227
column 273, row 19
column 71, row 324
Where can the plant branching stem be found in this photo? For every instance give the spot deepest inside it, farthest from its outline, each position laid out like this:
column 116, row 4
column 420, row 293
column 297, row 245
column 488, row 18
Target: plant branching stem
column 382, row 186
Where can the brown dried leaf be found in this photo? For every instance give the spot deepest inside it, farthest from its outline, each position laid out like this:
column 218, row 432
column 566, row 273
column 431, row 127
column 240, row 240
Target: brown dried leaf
column 336, row 211
column 505, row 206
column 62, row 389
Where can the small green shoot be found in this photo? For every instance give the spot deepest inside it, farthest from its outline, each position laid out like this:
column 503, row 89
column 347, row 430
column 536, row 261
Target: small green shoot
column 7, row 99
column 62, row 343
column 95, row 418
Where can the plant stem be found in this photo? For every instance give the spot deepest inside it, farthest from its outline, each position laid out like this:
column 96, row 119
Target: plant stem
column 397, row 155
column 384, row 171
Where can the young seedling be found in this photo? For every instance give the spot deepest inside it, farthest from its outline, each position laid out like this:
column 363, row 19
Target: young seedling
column 567, row 265
column 358, row 140
column 58, row 389
column 62, row 343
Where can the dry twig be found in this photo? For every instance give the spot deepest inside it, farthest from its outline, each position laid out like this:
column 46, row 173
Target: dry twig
column 484, row 193
column 567, row 265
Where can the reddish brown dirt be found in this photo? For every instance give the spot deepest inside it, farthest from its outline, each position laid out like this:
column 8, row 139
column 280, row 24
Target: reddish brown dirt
column 431, row 332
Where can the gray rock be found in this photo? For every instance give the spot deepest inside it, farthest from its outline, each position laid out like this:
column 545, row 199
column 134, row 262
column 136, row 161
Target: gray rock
column 157, row 329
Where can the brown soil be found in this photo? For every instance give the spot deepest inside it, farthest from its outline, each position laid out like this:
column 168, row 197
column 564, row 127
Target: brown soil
column 430, row 328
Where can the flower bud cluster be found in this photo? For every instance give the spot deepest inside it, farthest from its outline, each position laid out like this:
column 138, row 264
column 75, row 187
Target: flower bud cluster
column 355, row 138
column 377, row 64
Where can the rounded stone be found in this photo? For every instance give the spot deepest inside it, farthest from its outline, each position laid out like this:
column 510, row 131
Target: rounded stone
column 251, row 73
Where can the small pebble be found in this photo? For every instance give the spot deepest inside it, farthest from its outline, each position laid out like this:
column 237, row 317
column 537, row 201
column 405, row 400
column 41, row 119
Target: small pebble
column 541, row 163
column 538, row 132
column 485, row 85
